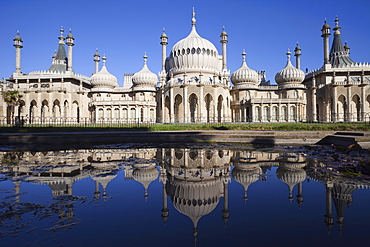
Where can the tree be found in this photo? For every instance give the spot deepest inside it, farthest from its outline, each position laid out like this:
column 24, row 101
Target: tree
column 12, row 98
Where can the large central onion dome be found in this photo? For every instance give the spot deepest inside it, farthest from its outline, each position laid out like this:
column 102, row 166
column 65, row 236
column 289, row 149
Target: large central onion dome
column 244, row 77
column 194, row 199
column 193, row 54
column 290, row 76
column 103, row 79
column 144, row 79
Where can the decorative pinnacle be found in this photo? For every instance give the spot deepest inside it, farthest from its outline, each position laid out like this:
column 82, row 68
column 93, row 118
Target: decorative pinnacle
column 18, row 33
column 243, row 55
column 145, row 57
column 337, row 27
column 104, row 59
column 193, row 20
column 61, row 37
column 288, row 54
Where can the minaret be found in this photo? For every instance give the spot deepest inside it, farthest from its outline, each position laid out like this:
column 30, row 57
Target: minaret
column 325, row 34
column 97, row 192
column 300, row 195
column 96, row 60
column 70, row 43
column 18, row 44
column 329, row 220
column 225, row 211
column 223, row 41
column 164, row 44
column 297, row 54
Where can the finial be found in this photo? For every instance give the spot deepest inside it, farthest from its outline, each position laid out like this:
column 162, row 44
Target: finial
column 288, row 54
column 297, row 44
column 96, row 49
column 61, row 31
column 163, row 30
column 243, row 55
column 325, row 21
column 145, row 57
column 104, row 59
column 193, row 20
column 336, row 21
column 70, row 30
column 223, row 28
column 18, row 33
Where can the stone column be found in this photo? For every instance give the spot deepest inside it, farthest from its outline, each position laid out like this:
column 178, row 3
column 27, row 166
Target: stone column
column 334, row 106
column 185, row 103
column 172, row 102
column 201, row 104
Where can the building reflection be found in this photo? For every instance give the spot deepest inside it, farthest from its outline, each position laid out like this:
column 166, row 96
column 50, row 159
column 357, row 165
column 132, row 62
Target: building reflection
column 339, row 192
column 194, row 180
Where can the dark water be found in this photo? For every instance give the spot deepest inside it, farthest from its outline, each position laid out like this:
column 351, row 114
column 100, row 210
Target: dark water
column 193, row 196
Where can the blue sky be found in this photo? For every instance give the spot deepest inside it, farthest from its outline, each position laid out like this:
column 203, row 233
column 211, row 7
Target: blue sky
column 124, row 30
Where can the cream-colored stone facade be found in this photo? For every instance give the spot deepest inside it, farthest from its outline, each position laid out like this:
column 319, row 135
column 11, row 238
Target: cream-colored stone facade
column 193, row 86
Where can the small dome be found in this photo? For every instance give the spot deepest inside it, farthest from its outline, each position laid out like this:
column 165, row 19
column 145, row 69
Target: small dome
column 17, row 37
column 103, row 79
column 289, row 74
column 144, row 79
column 244, row 75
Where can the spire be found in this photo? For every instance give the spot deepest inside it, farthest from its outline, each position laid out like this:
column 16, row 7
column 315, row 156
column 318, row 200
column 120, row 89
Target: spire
column 244, row 55
column 338, row 53
column 193, row 20
column 60, row 62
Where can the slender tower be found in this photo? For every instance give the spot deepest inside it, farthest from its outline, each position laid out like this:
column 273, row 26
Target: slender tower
column 164, row 44
column 70, row 43
column 223, row 41
column 18, row 44
column 297, row 54
column 325, row 34
column 96, row 60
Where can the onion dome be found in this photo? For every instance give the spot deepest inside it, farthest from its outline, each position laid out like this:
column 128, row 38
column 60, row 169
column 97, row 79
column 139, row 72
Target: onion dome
column 103, row 79
column 290, row 76
column 193, row 54
column 291, row 175
column 144, row 80
column 145, row 174
column 194, row 199
column 246, row 175
column 244, row 76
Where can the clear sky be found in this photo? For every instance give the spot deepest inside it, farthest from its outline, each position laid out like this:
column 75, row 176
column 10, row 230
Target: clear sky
column 124, row 30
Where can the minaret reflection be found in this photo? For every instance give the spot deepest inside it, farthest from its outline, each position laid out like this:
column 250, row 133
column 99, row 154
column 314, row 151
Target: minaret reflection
column 338, row 192
column 291, row 172
column 196, row 180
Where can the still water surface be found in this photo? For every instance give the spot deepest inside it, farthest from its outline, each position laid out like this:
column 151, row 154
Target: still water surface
column 194, row 196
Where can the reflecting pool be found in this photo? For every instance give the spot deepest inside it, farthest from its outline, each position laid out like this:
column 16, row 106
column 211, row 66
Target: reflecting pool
column 207, row 195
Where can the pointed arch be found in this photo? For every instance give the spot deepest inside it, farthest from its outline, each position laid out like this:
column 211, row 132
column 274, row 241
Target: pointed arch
column 342, row 108
column 209, row 103
column 193, row 104
column 356, row 108
column 178, row 109
column 220, row 108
